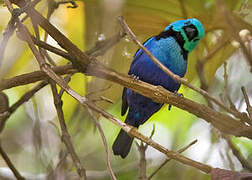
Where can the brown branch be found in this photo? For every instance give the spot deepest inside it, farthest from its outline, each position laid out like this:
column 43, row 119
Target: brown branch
column 59, row 167
column 22, row 100
column 227, row 93
column 7, row 33
column 142, row 151
column 249, row 107
column 65, row 134
column 234, row 30
column 45, row 67
column 167, row 160
column 10, row 165
column 34, row 77
column 245, row 164
column 98, row 125
column 51, row 48
column 174, row 76
column 142, row 163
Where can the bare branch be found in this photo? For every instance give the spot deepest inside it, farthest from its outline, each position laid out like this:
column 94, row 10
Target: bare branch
column 65, row 135
column 22, row 100
column 249, row 107
column 98, row 125
column 227, row 93
column 142, row 163
column 10, row 165
column 245, row 164
column 45, row 67
column 167, row 160
column 34, row 77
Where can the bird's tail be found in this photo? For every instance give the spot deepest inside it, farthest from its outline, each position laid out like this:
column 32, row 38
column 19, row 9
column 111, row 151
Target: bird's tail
column 122, row 144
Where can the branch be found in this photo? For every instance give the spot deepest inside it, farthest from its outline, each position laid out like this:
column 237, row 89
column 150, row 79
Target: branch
column 9, row 163
column 98, row 125
column 142, row 164
column 167, row 160
column 65, row 134
column 45, row 67
column 34, row 77
column 234, row 29
column 22, row 100
column 245, row 164
column 226, row 84
column 249, row 107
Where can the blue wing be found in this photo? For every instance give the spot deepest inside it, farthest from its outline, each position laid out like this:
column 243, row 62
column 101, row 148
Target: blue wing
column 137, row 55
column 140, row 51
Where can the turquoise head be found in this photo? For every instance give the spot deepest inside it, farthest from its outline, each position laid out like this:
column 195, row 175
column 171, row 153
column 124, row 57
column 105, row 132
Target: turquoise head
column 191, row 30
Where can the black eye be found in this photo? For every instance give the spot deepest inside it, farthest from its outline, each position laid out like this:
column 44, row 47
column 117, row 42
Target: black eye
column 191, row 32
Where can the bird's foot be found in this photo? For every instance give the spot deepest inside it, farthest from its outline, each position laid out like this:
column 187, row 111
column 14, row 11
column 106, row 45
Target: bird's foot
column 169, row 107
column 177, row 94
column 134, row 77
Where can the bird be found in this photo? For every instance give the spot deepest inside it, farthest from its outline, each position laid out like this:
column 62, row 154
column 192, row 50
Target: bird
column 171, row 47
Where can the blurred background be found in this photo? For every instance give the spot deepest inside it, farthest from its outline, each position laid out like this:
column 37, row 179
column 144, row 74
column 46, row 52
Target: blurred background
column 32, row 134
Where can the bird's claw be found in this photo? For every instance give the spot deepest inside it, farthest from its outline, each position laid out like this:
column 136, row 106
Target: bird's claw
column 169, row 107
column 134, row 77
column 177, row 94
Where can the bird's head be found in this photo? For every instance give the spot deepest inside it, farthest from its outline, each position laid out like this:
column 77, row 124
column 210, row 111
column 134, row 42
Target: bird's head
column 191, row 31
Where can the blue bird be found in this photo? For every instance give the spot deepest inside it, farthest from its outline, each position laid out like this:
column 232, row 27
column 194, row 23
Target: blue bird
column 171, row 47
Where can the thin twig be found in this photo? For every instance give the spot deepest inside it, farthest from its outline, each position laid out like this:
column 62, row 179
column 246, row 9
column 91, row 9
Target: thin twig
column 167, row 160
column 7, row 33
column 65, row 134
column 9, row 163
column 227, row 93
column 174, row 76
column 22, row 100
column 142, row 151
column 245, row 164
column 33, row 77
column 98, row 125
column 45, row 67
column 142, row 162
column 249, row 107
column 234, row 29
column 59, row 167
